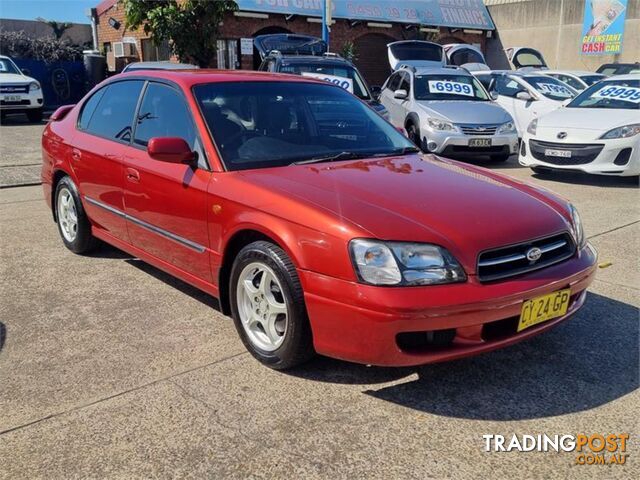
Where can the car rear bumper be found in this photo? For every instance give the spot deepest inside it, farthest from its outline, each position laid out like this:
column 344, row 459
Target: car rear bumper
column 362, row 323
column 620, row 157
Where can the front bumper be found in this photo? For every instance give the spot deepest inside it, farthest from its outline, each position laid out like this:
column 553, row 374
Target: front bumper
column 603, row 164
column 457, row 144
column 361, row 323
column 19, row 102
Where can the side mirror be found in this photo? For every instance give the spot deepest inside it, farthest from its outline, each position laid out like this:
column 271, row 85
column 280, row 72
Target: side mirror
column 400, row 94
column 170, row 150
column 26, row 71
column 493, row 94
column 524, row 96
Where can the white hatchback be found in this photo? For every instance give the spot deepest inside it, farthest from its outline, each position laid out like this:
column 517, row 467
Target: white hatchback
column 597, row 132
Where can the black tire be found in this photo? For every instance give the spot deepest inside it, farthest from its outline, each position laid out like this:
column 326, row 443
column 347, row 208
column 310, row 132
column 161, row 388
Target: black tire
column 84, row 241
column 503, row 157
column 297, row 345
column 414, row 135
column 34, row 115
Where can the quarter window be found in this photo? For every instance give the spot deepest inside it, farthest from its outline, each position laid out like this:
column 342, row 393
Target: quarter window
column 114, row 112
column 394, row 82
column 163, row 113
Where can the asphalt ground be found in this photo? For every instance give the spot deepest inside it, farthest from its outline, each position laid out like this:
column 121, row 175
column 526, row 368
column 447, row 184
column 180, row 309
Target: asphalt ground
column 109, row 368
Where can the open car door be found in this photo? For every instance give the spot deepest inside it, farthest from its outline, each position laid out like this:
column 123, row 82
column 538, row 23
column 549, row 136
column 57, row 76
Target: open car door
column 289, row 44
column 467, row 56
column 525, row 57
column 416, row 53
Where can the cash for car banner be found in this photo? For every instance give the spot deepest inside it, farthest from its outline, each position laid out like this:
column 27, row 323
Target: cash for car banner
column 603, row 27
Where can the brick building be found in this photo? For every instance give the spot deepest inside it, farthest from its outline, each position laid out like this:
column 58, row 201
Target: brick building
column 370, row 26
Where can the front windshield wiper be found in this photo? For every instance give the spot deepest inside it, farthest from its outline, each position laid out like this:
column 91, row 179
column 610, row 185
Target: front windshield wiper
column 397, row 153
column 332, row 158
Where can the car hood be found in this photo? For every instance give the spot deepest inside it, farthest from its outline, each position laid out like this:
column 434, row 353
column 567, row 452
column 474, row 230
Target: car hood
column 14, row 78
column 422, row 199
column 466, row 111
column 585, row 120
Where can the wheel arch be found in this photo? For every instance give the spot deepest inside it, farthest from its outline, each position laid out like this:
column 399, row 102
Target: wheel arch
column 412, row 118
column 236, row 242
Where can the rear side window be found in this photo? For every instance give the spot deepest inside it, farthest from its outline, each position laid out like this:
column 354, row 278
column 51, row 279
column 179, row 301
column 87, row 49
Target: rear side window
column 113, row 115
column 89, row 108
column 163, row 113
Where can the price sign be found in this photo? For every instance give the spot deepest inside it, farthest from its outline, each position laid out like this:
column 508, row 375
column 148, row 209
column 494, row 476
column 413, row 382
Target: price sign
column 451, row 88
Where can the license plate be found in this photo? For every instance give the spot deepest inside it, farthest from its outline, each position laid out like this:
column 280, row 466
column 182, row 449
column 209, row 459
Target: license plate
column 543, row 308
column 480, row 142
column 558, row 153
column 12, row 98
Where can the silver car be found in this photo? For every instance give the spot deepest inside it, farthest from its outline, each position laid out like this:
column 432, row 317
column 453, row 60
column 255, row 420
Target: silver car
column 447, row 111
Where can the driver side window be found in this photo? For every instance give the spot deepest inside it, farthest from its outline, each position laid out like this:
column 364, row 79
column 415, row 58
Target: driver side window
column 507, row 87
column 405, row 83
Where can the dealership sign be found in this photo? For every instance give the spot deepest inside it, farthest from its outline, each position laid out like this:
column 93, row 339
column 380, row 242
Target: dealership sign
column 447, row 13
column 603, row 27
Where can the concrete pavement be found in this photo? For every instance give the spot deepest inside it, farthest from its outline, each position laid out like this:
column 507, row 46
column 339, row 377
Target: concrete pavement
column 111, row 368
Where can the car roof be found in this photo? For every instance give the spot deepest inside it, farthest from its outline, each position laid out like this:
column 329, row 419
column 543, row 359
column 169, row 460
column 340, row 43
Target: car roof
column 573, row 72
column 626, row 76
column 189, row 78
column 160, row 66
column 436, row 70
column 291, row 59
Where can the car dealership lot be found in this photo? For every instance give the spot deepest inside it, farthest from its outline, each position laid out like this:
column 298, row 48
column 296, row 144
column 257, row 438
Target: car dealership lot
column 110, row 367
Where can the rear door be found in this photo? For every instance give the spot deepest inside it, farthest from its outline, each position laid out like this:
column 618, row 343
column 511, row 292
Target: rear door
column 103, row 132
column 166, row 203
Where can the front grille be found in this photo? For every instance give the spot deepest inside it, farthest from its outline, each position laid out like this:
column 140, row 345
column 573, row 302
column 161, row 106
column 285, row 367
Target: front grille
column 14, row 89
column 479, row 130
column 581, row 154
column 512, row 260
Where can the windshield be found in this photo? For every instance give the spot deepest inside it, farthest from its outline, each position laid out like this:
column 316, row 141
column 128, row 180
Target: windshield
column 7, row 66
column 332, row 73
column 448, row 87
column 591, row 79
column 614, row 94
column 551, row 87
column 271, row 124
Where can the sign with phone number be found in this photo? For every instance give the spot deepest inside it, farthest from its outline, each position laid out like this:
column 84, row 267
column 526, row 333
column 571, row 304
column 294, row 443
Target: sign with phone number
column 617, row 92
column 343, row 82
column 450, row 88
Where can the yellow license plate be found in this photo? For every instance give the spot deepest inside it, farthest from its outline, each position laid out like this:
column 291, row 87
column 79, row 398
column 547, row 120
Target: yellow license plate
column 543, row 308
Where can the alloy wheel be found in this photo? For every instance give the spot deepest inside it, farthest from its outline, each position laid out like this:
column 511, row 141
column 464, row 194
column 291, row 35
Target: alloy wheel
column 67, row 215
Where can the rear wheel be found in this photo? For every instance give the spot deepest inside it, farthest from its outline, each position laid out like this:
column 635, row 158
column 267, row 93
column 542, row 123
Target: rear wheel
column 34, row 115
column 267, row 304
column 73, row 224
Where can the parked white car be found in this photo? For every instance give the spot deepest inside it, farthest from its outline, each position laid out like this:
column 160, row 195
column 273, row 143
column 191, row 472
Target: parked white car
column 18, row 92
column 597, row 132
column 577, row 79
column 526, row 95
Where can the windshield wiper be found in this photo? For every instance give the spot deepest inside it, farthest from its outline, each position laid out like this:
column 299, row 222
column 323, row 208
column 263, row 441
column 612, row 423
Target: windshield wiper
column 397, row 153
column 332, row 158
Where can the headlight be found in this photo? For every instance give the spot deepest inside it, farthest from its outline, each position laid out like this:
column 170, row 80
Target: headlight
column 441, row 125
column 533, row 126
column 400, row 263
column 578, row 230
column 33, row 86
column 506, row 128
column 622, row 132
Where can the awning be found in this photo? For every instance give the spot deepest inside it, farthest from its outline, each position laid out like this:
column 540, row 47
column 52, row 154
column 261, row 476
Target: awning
column 470, row 14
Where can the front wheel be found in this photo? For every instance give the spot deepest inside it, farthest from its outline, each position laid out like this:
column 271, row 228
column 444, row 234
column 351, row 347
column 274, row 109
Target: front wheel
column 414, row 135
column 73, row 224
column 267, row 305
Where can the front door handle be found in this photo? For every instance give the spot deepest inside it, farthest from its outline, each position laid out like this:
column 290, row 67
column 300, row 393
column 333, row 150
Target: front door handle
column 133, row 175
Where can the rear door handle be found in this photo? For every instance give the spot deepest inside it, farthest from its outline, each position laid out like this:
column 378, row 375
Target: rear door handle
column 76, row 154
column 133, row 175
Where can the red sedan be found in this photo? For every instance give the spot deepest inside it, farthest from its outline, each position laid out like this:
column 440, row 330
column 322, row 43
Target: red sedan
column 318, row 226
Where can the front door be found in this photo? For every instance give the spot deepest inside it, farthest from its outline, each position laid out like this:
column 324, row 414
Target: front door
column 166, row 203
column 104, row 130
